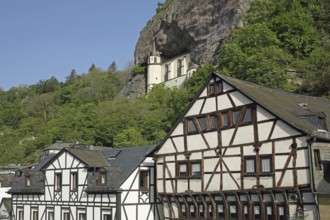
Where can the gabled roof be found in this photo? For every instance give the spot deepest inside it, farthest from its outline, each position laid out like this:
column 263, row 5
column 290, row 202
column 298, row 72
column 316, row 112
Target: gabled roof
column 288, row 106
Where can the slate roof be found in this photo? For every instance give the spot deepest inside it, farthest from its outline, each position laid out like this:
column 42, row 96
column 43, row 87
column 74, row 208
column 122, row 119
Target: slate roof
column 117, row 163
column 288, row 106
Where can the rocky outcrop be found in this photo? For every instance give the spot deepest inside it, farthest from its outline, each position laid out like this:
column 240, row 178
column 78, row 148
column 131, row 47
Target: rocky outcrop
column 197, row 26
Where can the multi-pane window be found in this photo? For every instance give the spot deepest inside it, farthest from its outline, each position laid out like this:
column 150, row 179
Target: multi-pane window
column 196, row 169
column 58, row 181
column 215, row 88
column 233, row 211
column 66, row 216
column 281, row 213
column 183, row 211
column 179, row 67
column 192, row 168
column 317, row 159
column 20, row 214
column 82, row 216
column 201, row 210
column 192, row 211
column 28, row 183
column 265, row 165
column 102, row 178
column 209, row 211
column 167, row 72
column 74, row 181
column 224, row 119
column 250, row 165
column 269, row 212
column 34, row 214
column 246, row 212
column 106, row 217
column 183, row 171
column 144, row 180
column 256, row 212
column 220, row 211
column 50, row 214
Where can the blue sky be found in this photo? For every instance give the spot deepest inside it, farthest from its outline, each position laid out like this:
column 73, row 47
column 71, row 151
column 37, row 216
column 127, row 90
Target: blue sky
column 40, row 39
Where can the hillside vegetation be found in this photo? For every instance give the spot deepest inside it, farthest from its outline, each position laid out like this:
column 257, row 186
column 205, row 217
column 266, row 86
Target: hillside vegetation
column 278, row 36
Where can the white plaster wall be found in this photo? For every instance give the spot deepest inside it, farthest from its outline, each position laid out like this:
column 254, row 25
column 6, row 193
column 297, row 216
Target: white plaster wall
column 239, row 99
column 209, row 153
column 167, row 147
column 264, row 130
column 212, row 139
column 229, row 183
column 196, row 185
column 226, row 136
column 209, row 164
column 249, row 182
column 209, row 106
column 178, row 130
column 283, row 130
column 195, row 108
column 233, row 163
column 179, row 143
column 196, row 156
column 244, row 135
column 68, row 160
column 263, row 114
column 175, row 82
column 182, row 185
column 283, row 146
column 266, row 181
column 303, row 176
column 266, row 148
column 223, row 102
column 196, row 142
column 214, row 184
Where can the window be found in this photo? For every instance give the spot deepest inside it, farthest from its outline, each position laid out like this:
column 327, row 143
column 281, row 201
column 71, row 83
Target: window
column 233, row 212
column 107, row 217
column 191, row 127
column 34, row 214
column 179, row 67
column 250, row 165
column 74, row 181
column 246, row 212
column 144, row 180
column 265, row 165
column 213, row 122
column 235, row 116
column 269, row 212
column 215, row 88
column 20, row 214
column 196, row 169
column 281, row 213
column 167, row 72
column 220, row 211
column 317, row 159
column 28, row 183
column 247, row 116
column 66, row 216
column 209, row 210
column 201, row 210
column 202, row 123
column 58, row 181
column 183, row 210
column 192, row 168
column 192, row 211
column 225, row 119
column 102, row 178
column 50, row 215
column 82, row 216
column 183, row 171
column 256, row 212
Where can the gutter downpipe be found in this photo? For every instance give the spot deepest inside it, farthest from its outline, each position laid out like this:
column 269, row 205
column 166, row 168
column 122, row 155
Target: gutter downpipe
column 311, row 175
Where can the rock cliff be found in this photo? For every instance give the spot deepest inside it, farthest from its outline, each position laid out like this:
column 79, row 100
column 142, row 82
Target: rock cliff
column 195, row 26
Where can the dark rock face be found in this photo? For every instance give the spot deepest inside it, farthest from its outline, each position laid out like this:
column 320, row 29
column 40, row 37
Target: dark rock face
column 197, row 26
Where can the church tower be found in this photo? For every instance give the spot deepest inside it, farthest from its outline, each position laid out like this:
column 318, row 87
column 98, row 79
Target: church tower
column 154, row 74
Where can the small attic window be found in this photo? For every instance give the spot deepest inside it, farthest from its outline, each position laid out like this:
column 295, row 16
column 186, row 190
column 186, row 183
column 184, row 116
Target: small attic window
column 317, row 120
column 102, row 179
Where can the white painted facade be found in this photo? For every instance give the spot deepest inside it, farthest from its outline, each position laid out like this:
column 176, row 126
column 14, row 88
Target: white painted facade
column 278, row 184
column 172, row 72
column 71, row 201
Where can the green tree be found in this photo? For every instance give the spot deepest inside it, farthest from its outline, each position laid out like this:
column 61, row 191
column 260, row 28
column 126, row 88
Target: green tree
column 113, row 67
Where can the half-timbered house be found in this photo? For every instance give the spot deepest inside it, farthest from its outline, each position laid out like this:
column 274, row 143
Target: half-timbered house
column 78, row 182
column 243, row 151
